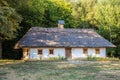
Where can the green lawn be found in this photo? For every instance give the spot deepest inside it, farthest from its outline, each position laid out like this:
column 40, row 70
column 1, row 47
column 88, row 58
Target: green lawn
column 63, row 70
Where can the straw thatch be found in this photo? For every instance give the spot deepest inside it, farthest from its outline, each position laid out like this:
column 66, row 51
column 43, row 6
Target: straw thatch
column 54, row 37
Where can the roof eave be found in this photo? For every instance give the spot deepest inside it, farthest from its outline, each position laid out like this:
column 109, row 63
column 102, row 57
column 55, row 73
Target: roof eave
column 17, row 46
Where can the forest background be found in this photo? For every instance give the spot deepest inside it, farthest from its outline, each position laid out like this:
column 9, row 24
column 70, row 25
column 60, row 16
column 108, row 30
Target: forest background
column 17, row 16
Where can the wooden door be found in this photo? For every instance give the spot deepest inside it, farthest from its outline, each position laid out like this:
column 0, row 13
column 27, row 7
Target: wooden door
column 68, row 53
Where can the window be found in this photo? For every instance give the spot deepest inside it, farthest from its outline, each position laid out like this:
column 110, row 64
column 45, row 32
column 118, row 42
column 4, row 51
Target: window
column 85, row 51
column 40, row 51
column 51, row 51
column 97, row 50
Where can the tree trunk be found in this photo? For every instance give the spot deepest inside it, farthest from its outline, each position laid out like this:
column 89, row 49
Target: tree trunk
column 0, row 49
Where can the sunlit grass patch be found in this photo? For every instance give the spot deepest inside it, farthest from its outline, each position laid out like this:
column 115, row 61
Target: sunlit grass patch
column 3, row 62
column 62, row 70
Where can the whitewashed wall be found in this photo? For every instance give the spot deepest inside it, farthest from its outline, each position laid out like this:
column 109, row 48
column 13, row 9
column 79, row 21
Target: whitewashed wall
column 91, row 52
column 78, row 53
column 103, row 52
column 45, row 53
column 60, row 52
column 33, row 54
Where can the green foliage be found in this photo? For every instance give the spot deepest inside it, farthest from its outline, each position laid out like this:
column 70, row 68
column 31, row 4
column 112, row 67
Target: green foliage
column 56, row 10
column 90, row 58
column 43, row 13
column 17, row 3
column 107, row 16
column 102, row 15
column 32, row 12
column 54, row 58
column 83, row 13
column 8, row 22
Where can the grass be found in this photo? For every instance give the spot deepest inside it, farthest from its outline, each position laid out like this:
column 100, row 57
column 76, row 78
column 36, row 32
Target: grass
column 90, row 58
column 60, row 70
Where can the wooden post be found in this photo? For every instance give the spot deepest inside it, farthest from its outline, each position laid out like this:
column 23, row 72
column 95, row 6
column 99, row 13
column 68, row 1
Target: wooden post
column 0, row 49
column 25, row 53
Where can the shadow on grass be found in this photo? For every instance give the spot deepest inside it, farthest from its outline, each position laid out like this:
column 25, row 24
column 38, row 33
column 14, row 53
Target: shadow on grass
column 60, row 70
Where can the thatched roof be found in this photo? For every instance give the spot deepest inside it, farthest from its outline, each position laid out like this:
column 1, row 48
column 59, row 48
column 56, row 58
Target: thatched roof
column 54, row 37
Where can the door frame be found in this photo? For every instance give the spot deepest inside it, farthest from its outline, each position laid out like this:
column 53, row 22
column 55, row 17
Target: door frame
column 68, row 53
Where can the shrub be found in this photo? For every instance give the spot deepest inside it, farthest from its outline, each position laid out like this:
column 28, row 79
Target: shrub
column 90, row 58
column 56, row 58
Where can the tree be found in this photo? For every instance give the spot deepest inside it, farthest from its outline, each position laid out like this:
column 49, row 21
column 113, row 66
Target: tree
column 9, row 23
column 56, row 10
column 42, row 13
column 83, row 13
column 46, row 13
column 107, row 15
column 103, row 15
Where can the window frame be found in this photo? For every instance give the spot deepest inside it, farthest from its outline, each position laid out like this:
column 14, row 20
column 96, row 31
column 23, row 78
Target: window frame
column 97, row 50
column 40, row 51
column 51, row 51
column 85, row 50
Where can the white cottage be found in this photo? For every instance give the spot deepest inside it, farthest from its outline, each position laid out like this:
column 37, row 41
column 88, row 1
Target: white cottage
column 44, row 43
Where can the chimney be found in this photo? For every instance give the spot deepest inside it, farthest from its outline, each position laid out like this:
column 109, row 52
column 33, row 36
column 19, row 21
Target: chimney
column 61, row 24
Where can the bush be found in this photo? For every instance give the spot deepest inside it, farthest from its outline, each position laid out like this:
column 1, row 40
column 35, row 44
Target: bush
column 90, row 58
column 54, row 58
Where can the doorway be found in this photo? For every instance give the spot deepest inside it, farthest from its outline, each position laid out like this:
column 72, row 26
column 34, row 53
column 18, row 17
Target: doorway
column 68, row 53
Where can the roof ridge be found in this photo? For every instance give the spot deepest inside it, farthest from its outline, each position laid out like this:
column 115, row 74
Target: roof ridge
column 62, row 29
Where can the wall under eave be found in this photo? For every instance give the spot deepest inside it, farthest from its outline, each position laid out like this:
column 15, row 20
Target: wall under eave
column 78, row 53
column 103, row 52
column 33, row 53
column 60, row 52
